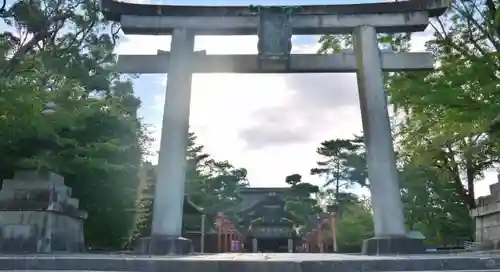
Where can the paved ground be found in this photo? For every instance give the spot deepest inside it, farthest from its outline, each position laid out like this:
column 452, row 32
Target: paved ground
column 250, row 262
column 293, row 257
column 494, row 270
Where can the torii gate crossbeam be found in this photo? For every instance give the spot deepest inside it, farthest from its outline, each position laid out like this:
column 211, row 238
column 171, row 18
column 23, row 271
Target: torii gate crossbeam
column 363, row 21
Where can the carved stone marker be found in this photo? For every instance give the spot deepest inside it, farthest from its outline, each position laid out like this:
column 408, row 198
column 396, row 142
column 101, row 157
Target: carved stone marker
column 275, row 39
column 38, row 214
column 486, row 215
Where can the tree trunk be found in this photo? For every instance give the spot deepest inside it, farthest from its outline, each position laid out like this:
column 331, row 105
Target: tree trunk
column 471, row 200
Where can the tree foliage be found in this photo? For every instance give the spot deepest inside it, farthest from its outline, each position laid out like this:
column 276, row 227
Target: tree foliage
column 447, row 116
column 60, row 53
column 343, row 165
column 355, row 225
column 443, row 116
column 300, row 201
column 210, row 184
column 433, row 206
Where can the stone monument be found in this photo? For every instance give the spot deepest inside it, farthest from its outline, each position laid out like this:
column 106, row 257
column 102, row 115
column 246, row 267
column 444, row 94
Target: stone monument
column 486, row 215
column 274, row 27
column 38, row 215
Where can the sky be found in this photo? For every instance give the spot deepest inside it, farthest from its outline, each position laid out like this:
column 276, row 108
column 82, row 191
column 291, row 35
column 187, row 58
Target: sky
column 269, row 124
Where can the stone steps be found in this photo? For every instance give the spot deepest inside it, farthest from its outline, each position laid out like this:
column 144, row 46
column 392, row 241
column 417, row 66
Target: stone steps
column 489, row 270
column 250, row 262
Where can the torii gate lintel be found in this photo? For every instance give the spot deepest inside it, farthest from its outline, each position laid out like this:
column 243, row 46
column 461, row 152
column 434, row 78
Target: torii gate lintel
column 363, row 21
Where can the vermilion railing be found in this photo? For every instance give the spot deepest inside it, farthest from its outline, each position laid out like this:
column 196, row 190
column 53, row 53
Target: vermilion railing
column 316, row 238
column 228, row 238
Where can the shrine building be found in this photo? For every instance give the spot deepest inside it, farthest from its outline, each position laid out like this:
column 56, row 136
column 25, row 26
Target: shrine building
column 268, row 226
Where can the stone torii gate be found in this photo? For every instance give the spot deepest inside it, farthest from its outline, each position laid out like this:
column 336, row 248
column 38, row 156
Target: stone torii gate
column 274, row 26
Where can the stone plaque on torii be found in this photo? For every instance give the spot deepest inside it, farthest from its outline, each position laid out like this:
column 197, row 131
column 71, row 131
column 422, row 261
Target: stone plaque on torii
column 274, row 26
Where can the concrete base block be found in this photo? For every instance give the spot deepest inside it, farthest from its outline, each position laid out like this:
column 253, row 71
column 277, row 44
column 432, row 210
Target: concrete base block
column 393, row 245
column 39, row 215
column 164, row 245
column 280, row 262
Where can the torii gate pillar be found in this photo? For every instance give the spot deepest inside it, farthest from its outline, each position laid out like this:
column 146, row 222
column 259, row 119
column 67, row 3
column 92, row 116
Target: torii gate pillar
column 388, row 218
column 364, row 19
column 166, row 228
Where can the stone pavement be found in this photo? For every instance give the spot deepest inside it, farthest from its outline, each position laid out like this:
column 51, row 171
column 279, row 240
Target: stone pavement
column 249, row 262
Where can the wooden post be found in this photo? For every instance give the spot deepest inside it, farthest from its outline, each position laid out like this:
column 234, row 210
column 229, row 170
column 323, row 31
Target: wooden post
column 240, row 242
column 290, row 245
column 320, row 238
column 225, row 231
column 219, row 231
column 231, row 241
column 237, row 241
column 326, row 242
column 255, row 245
column 315, row 241
column 327, row 239
column 308, row 244
column 202, row 238
column 334, row 233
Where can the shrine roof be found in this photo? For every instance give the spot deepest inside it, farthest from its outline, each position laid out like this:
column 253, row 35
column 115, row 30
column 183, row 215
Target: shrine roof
column 260, row 208
column 113, row 9
column 263, row 190
column 253, row 195
column 265, row 200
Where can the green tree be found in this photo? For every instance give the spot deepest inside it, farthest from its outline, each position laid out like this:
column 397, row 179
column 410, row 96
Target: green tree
column 300, row 201
column 447, row 114
column 61, row 53
column 144, row 206
column 433, row 206
column 341, row 199
column 213, row 185
column 210, row 184
column 343, row 165
column 444, row 114
column 220, row 190
column 355, row 225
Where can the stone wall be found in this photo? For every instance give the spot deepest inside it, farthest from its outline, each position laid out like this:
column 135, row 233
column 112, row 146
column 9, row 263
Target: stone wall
column 38, row 214
column 487, row 219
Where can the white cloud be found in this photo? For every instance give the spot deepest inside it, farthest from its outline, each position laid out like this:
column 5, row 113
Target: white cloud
column 322, row 106
column 269, row 124
column 221, row 105
column 227, row 110
column 141, row 44
column 419, row 39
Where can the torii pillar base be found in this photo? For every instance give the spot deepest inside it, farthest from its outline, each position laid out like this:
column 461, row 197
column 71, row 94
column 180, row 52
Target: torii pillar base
column 393, row 246
column 164, row 245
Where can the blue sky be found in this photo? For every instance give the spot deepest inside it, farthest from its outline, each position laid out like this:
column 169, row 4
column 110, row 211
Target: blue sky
column 264, row 135
column 269, row 124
